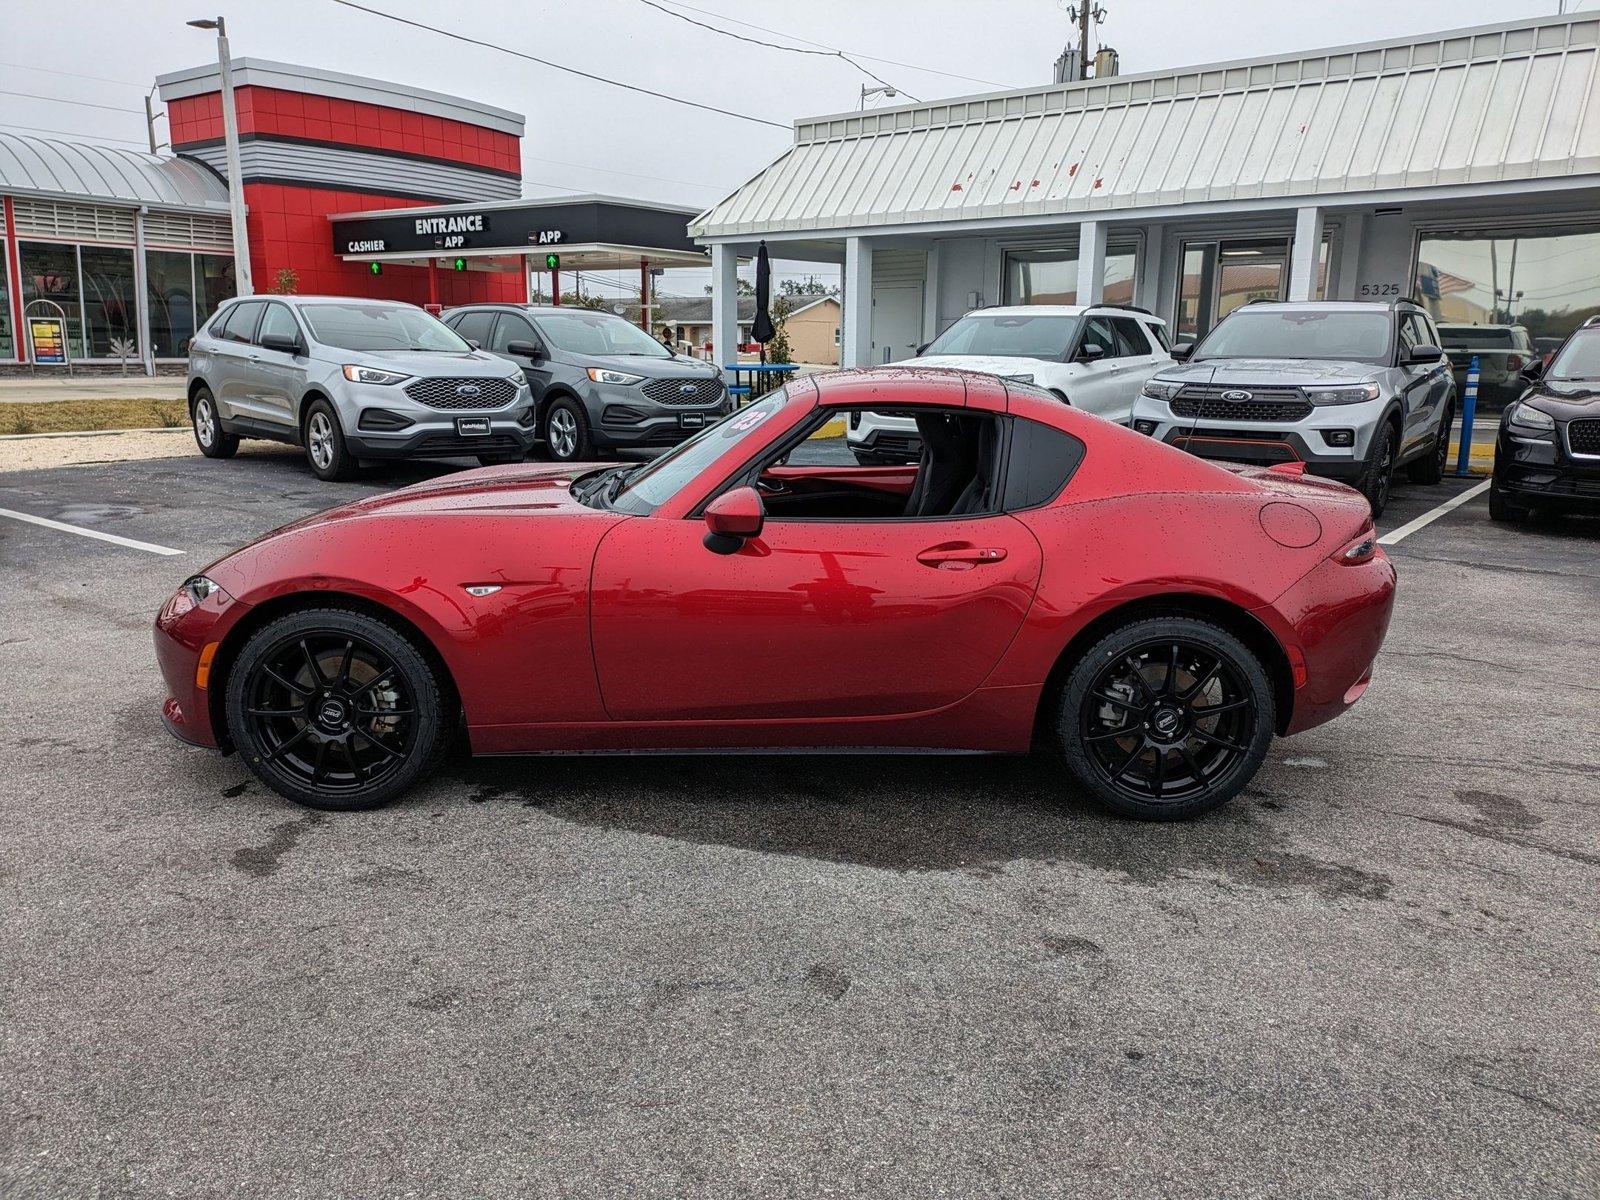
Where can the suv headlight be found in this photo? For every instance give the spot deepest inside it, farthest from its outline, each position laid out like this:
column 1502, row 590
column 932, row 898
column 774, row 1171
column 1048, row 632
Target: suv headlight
column 357, row 374
column 1160, row 389
column 1358, row 394
column 1524, row 418
column 605, row 375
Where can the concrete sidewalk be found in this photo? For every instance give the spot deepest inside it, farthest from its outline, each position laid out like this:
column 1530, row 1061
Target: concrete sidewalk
column 47, row 387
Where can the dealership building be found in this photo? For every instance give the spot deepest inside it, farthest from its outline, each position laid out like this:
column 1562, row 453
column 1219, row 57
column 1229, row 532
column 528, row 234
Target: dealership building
column 352, row 186
column 1462, row 167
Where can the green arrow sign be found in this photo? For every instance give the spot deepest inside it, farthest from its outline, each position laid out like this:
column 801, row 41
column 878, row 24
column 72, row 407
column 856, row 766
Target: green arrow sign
column 553, row 261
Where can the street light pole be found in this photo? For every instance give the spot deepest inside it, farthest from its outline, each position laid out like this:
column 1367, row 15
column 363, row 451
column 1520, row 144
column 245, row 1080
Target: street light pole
column 230, row 138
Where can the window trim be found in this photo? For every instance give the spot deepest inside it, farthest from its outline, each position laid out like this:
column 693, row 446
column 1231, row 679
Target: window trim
column 267, row 307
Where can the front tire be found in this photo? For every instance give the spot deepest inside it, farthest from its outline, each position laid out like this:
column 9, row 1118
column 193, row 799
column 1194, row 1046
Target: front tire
column 335, row 709
column 1503, row 509
column 326, row 451
column 213, row 440
column 1377, row 480
column 566, row 432
column 1431, row 469
column 1166, row 718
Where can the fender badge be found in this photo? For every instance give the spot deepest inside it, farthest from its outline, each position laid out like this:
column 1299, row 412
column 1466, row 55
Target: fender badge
column 481, row 589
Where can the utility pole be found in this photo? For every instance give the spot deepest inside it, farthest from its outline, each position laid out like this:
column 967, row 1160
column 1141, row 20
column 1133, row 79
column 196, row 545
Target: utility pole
column 230, row 138
column 1083, row 13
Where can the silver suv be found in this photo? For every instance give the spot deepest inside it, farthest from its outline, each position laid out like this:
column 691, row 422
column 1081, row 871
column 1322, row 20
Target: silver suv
column 349, row 380
column 1353, row 390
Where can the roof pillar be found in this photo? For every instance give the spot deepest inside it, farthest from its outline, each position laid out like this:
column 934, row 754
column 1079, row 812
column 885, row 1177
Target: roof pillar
column 855, row 349
column 725, row 303
column 1092, row 262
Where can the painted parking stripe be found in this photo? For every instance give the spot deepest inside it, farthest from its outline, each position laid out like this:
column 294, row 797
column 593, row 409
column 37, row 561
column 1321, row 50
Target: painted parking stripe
column 1432, row 515
column 130, row 543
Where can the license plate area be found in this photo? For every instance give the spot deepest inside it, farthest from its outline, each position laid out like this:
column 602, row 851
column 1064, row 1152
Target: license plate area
column 691, row 420
column 472, row 426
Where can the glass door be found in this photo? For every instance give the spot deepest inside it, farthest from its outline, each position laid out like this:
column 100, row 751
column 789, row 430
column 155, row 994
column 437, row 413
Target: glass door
column 1222, row 275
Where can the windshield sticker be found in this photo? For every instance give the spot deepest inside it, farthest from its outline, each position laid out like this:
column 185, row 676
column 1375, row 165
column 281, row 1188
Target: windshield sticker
column 749, row 421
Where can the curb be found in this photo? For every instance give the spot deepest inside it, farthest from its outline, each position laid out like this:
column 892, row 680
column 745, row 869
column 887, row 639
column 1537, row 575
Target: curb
column 17, row 437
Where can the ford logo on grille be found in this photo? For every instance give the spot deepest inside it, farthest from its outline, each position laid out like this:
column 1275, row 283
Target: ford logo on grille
column 688, row 389
column 1237, row 396
column 466, row 390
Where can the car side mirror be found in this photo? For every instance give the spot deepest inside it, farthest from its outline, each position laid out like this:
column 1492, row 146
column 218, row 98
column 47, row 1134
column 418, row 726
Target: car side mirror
column 1183, row 351
column 474, row 343
column 1091, row 352
column 1533, row 370
column 923, row 349
column 1423, row 355
column 523, row 349
column 732, row 519
column 287, row 343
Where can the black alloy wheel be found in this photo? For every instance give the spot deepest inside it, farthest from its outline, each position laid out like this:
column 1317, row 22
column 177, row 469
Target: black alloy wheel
column 1379, row 475
column 334, row 709
column 1432, row 468
column 1166, row 718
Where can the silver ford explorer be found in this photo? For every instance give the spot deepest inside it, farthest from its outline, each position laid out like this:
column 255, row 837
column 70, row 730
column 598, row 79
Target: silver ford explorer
column 349, row 380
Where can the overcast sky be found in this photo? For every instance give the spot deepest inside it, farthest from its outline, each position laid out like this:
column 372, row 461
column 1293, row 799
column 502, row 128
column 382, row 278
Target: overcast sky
column 584, row 136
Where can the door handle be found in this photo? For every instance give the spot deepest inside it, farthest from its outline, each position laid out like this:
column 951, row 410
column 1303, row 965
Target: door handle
column 960, row 558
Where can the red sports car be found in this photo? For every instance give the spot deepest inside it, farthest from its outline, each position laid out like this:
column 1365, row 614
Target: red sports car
column 1040, row 578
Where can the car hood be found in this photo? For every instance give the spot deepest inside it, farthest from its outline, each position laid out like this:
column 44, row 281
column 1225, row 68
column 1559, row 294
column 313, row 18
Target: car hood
column 476, row 364
column 996, row 364
column 677, row 367
column 1565, row 401
column 1269, row 372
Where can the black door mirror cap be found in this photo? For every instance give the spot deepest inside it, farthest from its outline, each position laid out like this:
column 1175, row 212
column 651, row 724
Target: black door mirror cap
column 1182, row 351
column 1533, row 369
column 1091, row 353
column 1423, row 354
column 286, row 343
column 523, row 349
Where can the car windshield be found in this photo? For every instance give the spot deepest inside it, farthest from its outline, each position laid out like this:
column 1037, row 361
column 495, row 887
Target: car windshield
column 1008, row 335
column 1477, row 337
column 380, row 327
column 1270, row 332
column 1579, row 359
column 598, row 333
column 643, row 489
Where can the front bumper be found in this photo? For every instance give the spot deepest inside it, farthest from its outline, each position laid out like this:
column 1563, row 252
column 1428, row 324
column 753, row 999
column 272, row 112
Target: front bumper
column 369, row 412
column 188, row 639
column 1263, row 443
column 621, row 416
column 1545, row 471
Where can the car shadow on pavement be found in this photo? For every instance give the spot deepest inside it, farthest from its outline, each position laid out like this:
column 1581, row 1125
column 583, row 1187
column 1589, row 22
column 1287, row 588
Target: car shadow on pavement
column 910, row 814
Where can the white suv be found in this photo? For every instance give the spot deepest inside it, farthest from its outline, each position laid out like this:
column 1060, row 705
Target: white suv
column 1093, row 357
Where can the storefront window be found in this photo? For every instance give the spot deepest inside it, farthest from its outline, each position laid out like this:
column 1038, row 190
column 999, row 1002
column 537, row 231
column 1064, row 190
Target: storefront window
column 213, row 276
column 169, row 278
column 1051, row 276
column 109, row 306
column 50, row 272
column 1545, row 280
column 8, row 344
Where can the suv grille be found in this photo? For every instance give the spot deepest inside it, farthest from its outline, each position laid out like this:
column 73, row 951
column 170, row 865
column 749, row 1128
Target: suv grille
column 445, row 392
column 1584, row 436
column 671, row 391
column 1205, row 402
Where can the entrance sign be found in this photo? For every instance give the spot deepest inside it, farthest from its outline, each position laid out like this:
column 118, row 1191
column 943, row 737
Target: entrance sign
column 48, row 337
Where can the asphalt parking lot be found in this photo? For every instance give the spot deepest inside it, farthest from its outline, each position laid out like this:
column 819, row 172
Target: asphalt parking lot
column 1374, row 973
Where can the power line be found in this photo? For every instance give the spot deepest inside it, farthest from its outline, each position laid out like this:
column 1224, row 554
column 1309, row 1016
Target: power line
column 856, row 53
column 60, row 100
column 739, row 37
column 545, row 62
column 74, row 74
column 70, row 133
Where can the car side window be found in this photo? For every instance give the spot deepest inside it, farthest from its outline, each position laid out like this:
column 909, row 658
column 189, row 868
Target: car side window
column 1097, row 331
column 1131, row 341
column 241, row 323
column 1411, row 333
column 512, row 328
column 475, row 326
column 1042, row 460
column 1158, row 335
column 278, row 319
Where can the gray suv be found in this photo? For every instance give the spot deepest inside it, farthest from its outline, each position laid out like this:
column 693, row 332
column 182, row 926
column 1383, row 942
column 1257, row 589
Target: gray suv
column 1353, row 390
column 351, row 379
column 599, row 383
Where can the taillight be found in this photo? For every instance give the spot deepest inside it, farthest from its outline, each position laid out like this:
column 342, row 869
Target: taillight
column 1362, row 550
column 1513, row 362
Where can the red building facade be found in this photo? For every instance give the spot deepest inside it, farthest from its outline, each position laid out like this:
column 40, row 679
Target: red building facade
column 317, row 143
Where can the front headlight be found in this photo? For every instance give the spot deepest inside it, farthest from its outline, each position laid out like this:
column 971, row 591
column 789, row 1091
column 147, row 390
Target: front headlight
column 605, row 375
column 1358, row 394
column 357, row 374
column 192, row 592
column 1160, row 389
column 1524, row 418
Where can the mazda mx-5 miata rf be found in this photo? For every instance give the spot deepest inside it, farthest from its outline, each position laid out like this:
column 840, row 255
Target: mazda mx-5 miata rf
column 1040, row 579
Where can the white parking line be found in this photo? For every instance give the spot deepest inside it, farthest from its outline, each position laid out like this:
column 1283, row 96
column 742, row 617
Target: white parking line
column 1432, row 515
column 130, row 543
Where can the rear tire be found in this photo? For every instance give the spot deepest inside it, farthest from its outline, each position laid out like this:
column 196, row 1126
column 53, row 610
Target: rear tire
column 326, row 451
column 1165, row 718
column 566, row 432
column 1430, row 469
column 335, row 709
column 1377, row 479
column 213, row 440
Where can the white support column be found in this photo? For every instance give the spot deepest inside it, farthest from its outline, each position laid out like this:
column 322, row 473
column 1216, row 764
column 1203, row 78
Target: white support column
column 141, row 294
column 1351, row 237
column 1303, row 258
column 1091, row 262
column 724, row 304
column 1147, row 283
column 856, row 337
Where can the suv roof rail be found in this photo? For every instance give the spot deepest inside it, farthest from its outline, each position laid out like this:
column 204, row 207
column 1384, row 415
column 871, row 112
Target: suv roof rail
column 1261, row 300
column 1123, row 307
column 1594, row 320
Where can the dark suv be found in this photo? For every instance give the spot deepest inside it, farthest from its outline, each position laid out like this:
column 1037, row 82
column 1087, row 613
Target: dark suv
column 1547, row 455
column 599, row 383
